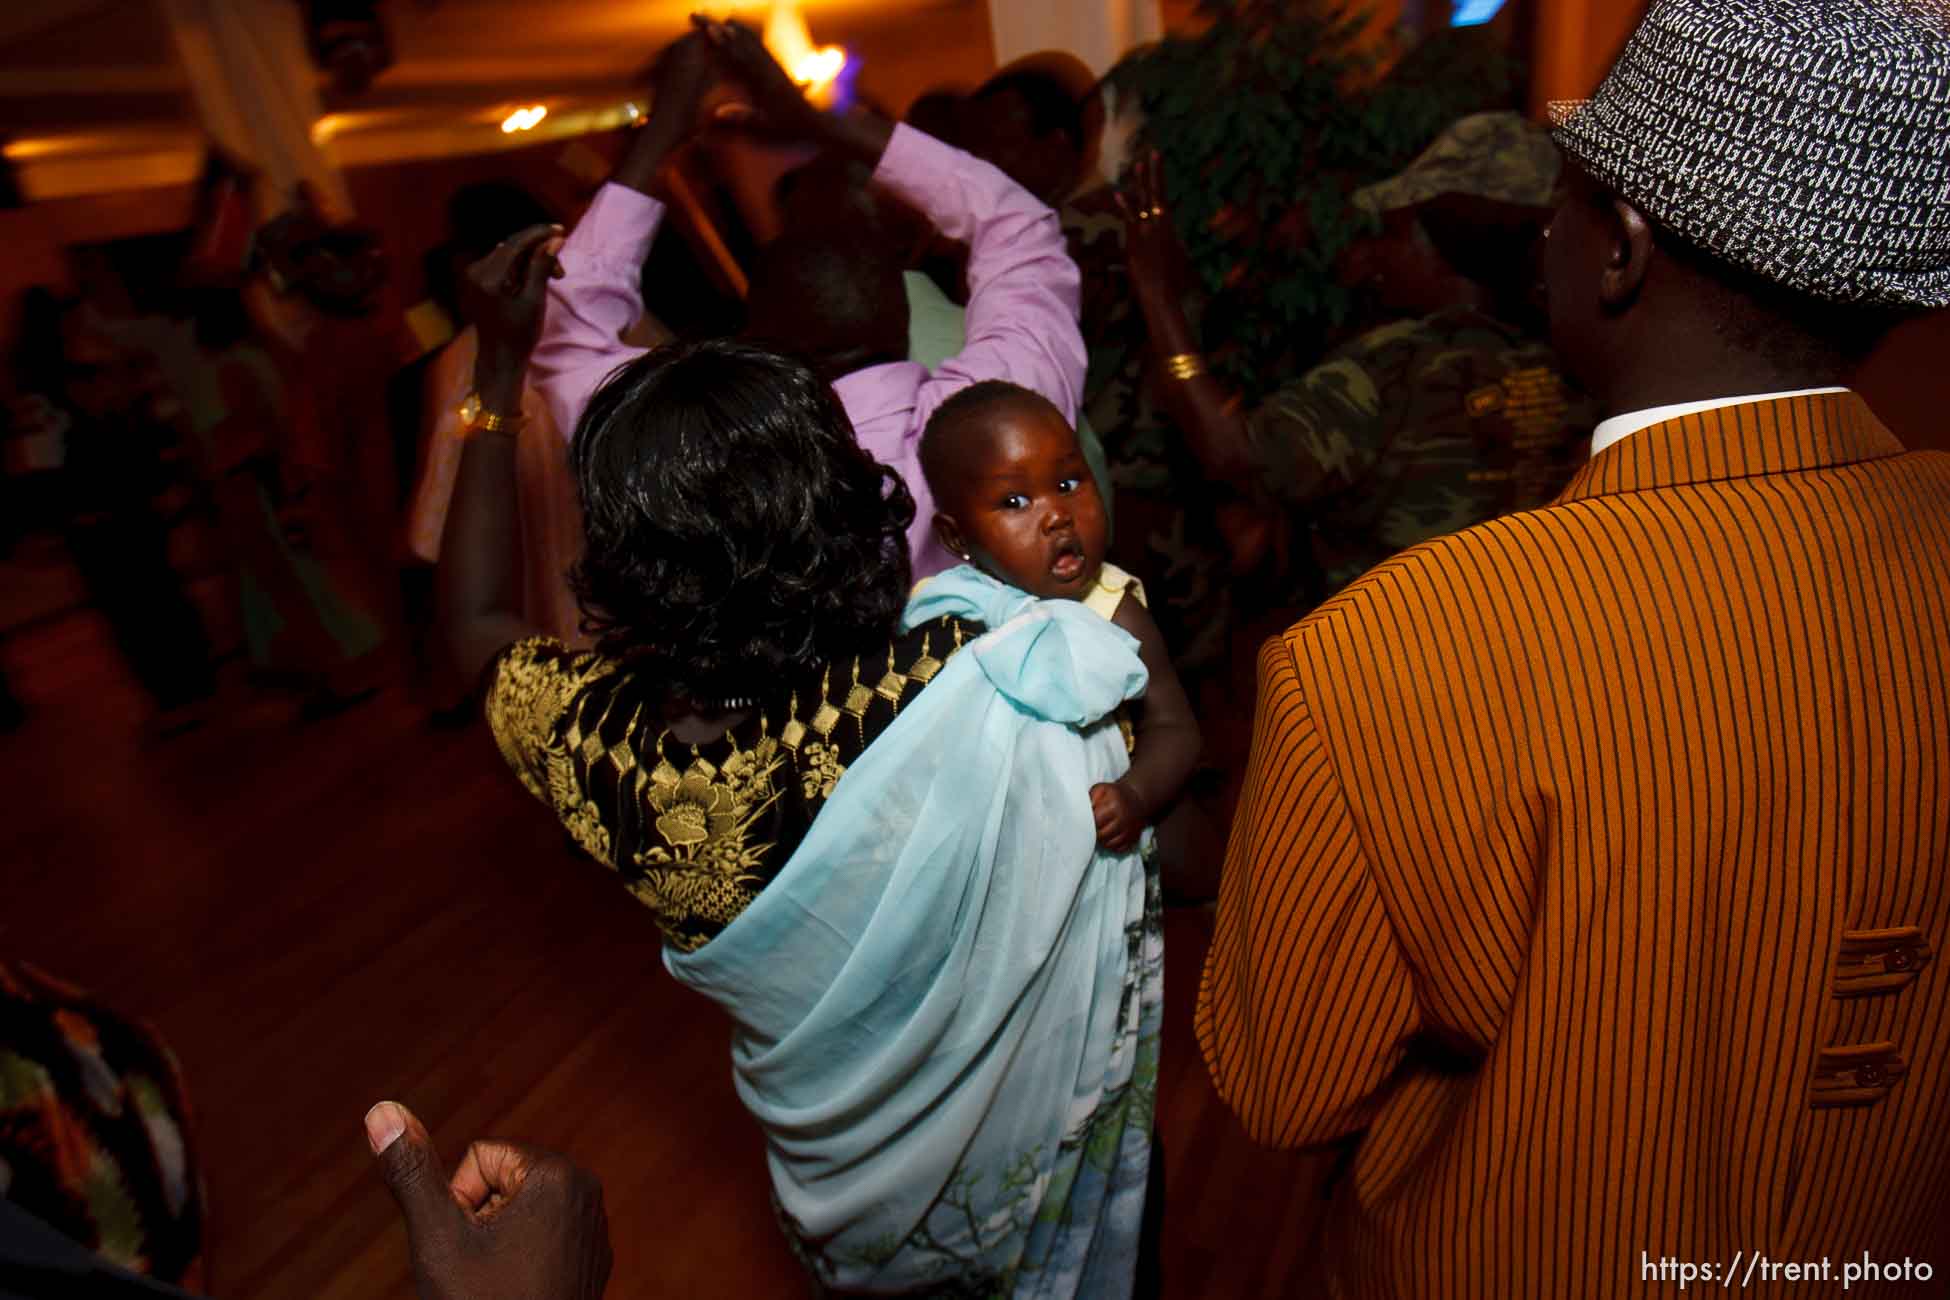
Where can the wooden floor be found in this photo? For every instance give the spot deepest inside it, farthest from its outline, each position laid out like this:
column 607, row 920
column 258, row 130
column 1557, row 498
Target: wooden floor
column 319, row 917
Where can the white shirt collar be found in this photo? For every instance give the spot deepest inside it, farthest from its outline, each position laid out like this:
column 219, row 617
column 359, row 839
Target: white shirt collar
column 1621, row 427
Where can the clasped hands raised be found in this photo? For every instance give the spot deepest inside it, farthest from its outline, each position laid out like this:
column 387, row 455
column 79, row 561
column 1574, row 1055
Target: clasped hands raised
column 506, row 289
column 716, row 52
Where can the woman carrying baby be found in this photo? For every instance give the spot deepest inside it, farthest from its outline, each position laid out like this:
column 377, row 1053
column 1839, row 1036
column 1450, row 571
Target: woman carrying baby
column 863, row 826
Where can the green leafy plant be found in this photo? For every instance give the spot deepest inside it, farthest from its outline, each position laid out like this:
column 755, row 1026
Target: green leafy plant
column 1266, row 122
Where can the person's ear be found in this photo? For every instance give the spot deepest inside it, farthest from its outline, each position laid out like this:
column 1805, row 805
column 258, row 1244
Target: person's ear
column 948, row 533
column 1629, row 255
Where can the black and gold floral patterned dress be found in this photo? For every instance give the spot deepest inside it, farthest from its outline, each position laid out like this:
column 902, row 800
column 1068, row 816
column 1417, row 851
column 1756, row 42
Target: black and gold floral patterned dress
column 696, row 831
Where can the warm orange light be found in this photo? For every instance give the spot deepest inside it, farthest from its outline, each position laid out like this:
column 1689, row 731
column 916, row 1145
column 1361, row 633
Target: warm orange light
column 813, row 67
column 817, row 70
column 523, row 119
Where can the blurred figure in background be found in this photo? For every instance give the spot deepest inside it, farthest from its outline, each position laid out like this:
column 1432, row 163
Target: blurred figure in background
column 123, row 475
column 337, row 349
column 239, row 430
column 934, row 113
column 1453, row 412
column 299, row 627
column 1028, row 119
column 34, row 425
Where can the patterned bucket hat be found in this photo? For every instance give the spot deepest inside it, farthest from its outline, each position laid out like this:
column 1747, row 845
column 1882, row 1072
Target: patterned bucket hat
column 1807, row 141
column 1485, row 155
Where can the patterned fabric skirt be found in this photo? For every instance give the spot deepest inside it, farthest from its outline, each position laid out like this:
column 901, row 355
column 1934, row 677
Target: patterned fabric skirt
column 95, row 1136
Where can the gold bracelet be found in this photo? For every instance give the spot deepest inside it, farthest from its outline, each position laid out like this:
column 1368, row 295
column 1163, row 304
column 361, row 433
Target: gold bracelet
column 489, row 422
column 476, row 418
column 1184, row 366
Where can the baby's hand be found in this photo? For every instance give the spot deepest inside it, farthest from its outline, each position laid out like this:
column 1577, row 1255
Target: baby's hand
column 1119, row 818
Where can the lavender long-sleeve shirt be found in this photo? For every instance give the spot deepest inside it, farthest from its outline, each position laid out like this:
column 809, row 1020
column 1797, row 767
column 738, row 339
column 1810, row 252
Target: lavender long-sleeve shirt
column 1023, row 293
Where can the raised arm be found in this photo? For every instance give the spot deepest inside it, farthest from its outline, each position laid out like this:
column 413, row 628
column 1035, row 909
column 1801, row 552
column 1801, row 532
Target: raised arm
column 479, row 590
column 1202, row 407
column 1233, row 447
column 599, row 294
column 1024, row 292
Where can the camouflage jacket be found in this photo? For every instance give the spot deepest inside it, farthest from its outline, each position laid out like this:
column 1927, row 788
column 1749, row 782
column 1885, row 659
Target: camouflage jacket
column 1416, row 429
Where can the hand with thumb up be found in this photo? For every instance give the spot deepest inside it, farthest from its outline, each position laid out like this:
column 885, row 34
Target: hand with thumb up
column 513, row 1223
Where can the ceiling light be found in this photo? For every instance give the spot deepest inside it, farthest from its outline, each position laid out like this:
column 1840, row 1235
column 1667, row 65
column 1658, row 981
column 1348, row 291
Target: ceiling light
column 523, row 119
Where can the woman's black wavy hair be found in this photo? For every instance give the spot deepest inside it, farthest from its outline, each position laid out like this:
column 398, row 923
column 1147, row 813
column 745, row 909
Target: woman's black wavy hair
column 736, row 532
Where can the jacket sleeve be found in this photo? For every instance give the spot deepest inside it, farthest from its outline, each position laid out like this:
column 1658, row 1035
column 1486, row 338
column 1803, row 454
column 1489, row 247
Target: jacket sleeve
column 1308, row 1004
column 1023, row 290
column 598, row 296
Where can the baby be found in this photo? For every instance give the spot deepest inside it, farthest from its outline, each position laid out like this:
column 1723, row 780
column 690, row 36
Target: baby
column 1015, row 498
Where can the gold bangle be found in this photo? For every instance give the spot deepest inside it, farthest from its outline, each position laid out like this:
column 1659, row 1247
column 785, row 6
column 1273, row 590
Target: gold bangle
column 1184, row 366
column 476, row 418
column 489, row 422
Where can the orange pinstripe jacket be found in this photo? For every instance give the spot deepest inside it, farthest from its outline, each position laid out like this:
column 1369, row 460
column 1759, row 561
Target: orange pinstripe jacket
column 1592, row 862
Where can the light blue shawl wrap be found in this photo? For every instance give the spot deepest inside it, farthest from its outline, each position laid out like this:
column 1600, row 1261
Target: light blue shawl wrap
column 947, row 1001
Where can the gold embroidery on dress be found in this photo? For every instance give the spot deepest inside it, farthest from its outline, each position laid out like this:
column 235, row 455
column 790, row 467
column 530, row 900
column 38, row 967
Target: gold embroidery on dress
column 705, row 868
column 529, row 694
column 699, row 857
column 924, row 668
column 858, row 697
column 622, row 755
column 825, row 717
column 579, row 816
column 794, row 730
column 590, row 743
column 820, row 770
column 891, row 684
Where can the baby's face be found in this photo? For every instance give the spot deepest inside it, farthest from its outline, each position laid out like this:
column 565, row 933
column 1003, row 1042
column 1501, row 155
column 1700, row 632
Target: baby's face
column 1029, row 510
